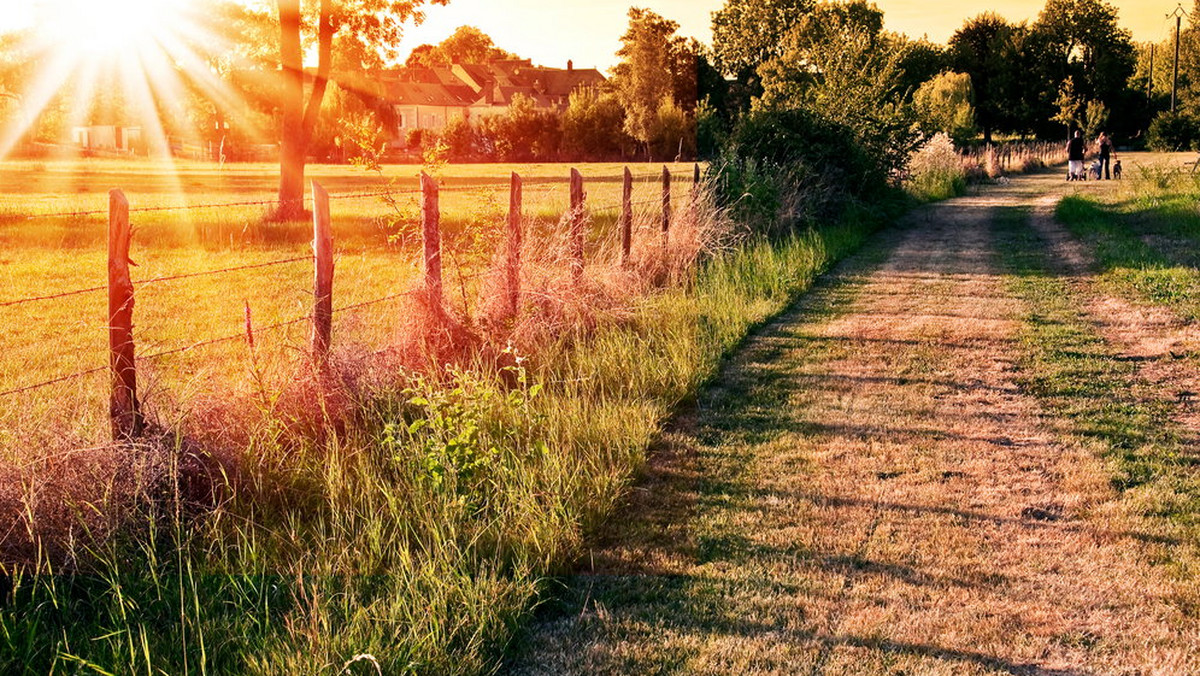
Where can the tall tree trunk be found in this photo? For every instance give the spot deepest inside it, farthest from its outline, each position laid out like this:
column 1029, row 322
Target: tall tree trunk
column 293, row 141
column 324, row 57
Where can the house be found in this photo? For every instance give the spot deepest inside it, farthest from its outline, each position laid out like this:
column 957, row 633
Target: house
column 430, row 97
column 109, row 138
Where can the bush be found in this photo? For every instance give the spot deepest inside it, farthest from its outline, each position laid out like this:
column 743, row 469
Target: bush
column 1173, row 131
column 783, row 168
column 936, row 171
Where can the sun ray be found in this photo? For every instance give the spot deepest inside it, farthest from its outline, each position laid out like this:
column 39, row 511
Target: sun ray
column 141, row 63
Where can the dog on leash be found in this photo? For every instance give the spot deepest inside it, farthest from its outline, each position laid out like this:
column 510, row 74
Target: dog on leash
column 1116, row 170
column 1094, row 171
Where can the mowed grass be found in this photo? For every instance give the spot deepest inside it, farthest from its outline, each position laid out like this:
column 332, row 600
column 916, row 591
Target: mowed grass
column 1145, row 235
column 1081, row 378
column 377, row 240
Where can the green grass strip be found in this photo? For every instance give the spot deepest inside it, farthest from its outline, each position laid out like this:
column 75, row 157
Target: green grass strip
column 1128, row 265
column 1080, row 378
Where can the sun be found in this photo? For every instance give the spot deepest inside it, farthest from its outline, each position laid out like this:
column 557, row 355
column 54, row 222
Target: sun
column 110, row 29
column 126, row 63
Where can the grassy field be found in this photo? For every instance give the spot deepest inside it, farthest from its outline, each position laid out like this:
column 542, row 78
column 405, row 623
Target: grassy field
column 376, row 241
column 469, row 191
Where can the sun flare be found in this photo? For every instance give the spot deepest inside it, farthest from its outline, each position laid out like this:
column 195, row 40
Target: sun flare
column 105, row 29
column 124, row 63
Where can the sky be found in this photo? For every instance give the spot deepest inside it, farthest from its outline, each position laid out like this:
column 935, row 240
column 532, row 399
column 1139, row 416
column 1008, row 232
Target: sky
column 588, row 31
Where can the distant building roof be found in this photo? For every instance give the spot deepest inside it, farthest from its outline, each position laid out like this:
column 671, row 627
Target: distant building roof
column 495, row 83
column 429, row 94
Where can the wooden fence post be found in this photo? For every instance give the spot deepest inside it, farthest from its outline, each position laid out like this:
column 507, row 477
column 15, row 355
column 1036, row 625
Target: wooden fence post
column 626, row 223
column 577, row 223
column 123, row 408
column 432, row 234
column 695, row 175
column 512, row 264
column 666, row 203
column 322, row 326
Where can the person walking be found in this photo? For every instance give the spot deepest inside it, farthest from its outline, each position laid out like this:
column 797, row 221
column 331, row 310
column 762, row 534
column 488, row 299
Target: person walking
column 1106, row 152
column 1075, row 152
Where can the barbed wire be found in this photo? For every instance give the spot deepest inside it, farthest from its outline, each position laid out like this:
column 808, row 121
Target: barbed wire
column 54, row 381
column 167, row 278
column 209, row 273
column 307, row 200
column 153, row 280
column 203, row 343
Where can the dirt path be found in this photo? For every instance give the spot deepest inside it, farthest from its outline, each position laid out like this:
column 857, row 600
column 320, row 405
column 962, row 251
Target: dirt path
column 870, row 492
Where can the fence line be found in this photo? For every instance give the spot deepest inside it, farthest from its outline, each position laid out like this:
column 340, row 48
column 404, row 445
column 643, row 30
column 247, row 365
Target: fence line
column 273, row 202
column 250, row 266
column 124, row 408
column 156, row 280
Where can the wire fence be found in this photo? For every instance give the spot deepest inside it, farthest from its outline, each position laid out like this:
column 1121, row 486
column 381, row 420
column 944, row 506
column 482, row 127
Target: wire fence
column 308, row 200
column 251, row 330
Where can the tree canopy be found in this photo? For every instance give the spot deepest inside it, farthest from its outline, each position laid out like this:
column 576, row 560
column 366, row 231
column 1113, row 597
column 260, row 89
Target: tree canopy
column 748, row 33
column 656, row 67
column 468, row 44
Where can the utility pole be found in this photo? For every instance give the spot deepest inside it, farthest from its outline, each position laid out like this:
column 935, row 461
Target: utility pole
column 1150, row 78
column 1179, row 13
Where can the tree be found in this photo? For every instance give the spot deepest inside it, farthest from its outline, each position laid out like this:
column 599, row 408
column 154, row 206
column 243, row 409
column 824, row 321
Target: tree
column 1069, row 106
column 593, row 127
column 943, row 104
column 748, row 33
column 15, row 73
column 649, row 71
column 1095, row 118
column 468, row 44
column 1088, row 44
column 671, row 133
column 922, row 61
column 524, row 132
column 981, row 49
column 839, row 64
column 369, row 31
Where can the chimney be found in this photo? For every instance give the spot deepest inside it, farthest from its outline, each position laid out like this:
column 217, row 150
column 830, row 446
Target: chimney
column 570, row 65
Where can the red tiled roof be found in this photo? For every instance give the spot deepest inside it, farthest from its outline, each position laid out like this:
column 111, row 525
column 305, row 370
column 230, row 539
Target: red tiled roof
column 494, row 83
column 424, row 94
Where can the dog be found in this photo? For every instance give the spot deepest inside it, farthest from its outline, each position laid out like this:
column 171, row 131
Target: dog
column 1116, row 170
column 1094, row 171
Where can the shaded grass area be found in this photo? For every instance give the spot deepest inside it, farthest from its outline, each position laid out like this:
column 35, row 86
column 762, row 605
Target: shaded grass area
column 414, row 538
column 1070, row 367
column 1130, row 265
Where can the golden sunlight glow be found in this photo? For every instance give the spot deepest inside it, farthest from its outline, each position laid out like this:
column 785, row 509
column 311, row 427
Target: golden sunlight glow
column 124, row 63
column 104, row 29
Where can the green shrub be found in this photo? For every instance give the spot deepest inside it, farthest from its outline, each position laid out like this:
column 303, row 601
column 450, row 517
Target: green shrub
column 936, row 171
column 786, row 168
column 1173, row 131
